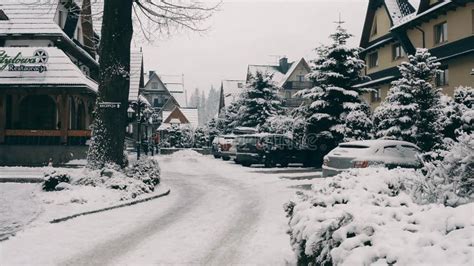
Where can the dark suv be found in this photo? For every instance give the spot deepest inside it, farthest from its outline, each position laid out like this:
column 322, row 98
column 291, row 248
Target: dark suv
column 267, row 149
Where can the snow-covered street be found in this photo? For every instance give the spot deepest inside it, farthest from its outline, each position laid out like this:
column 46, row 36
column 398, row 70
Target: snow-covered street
column 217, row 213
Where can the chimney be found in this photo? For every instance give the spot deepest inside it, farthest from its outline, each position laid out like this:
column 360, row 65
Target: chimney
column 283, row 64
column 151, row 72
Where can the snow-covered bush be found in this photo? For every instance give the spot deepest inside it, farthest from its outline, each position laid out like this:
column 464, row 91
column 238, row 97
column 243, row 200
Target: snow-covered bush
column 138, row 178
column 450, row 180
column 370, row 216
column 52, row 179
column 458, row 113
column 201, row 137
column 358, row 123
column 178, row 136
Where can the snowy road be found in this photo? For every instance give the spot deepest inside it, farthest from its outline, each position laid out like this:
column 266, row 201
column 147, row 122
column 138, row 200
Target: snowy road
column 217, row 214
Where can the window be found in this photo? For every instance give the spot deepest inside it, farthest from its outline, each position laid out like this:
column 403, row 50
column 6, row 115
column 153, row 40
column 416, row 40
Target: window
column 374, row 27
column 373, row 59
column 301, row 78
column 154, row 86
column 442, row 78
column 240, row 85
column 375, row 95
column 397, row 51
column 288, row 94
column 441, row 33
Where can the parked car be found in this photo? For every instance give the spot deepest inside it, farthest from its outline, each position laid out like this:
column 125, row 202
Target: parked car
column 268, row 149
column 225, row 145
column 362, row 154
column 229, row 145
column 215, row 147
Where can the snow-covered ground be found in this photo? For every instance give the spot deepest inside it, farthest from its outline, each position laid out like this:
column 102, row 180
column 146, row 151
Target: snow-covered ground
column 217, row 213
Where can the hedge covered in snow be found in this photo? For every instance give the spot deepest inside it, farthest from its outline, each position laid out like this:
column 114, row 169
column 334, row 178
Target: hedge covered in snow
column 375, row 215
column 138, row 178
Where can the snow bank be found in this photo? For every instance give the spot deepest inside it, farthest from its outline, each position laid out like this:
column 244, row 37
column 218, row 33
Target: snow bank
column 368, row 216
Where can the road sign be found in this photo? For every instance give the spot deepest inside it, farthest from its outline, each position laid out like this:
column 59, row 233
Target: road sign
column 112, row 105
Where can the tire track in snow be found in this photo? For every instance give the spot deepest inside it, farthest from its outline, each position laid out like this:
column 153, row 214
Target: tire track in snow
column 106, row 252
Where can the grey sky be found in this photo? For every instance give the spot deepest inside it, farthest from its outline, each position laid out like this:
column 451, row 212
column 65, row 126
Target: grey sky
column 250, row 32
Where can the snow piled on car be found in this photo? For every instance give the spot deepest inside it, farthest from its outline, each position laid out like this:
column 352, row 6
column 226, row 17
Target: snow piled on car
column 372, row 215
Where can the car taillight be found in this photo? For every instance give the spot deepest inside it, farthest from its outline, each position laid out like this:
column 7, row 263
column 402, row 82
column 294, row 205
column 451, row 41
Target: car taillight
column 259, row 145
column 326, row 161
column 361, row 164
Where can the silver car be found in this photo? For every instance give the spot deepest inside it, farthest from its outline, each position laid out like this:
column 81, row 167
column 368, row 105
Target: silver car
column 365, row 153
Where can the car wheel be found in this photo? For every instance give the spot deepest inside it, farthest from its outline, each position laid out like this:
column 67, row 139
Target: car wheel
column 225, row 158
column 216, row 156
column 269, row 164
column 246, row 164
column 285, row 164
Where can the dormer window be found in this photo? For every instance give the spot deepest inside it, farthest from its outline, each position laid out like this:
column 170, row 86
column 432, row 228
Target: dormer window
column 154, row 85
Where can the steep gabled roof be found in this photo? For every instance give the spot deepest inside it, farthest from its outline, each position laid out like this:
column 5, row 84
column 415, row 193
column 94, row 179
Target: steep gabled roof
column 398, row 11
column 266, row 69
column 292, row 69
column 136, row 74
column 231, row 89
column 185, row 116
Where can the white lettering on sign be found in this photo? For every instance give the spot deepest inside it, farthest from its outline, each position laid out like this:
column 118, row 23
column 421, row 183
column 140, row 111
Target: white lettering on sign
column 115, row 105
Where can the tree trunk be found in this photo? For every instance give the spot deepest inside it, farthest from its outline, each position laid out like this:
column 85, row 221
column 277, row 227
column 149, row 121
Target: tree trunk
column 107, row 144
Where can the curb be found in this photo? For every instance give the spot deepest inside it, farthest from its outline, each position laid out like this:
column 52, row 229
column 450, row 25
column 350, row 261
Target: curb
column 63, row 219
column 21, row 179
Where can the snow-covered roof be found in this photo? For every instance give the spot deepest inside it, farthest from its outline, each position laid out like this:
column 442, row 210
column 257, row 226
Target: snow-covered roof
column 192, row 115
column 180, row 97
column 231, row 90
column 400, row 10
column 416, row 16
column 136, row 58
column 59, row 70
column 378, row 143
column 267, row 69
column 29, row 19
column 373, row 82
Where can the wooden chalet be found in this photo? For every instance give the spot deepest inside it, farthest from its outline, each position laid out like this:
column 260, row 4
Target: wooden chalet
column 48, row 82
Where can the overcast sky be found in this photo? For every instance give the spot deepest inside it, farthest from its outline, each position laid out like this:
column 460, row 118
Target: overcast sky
column 252, row 32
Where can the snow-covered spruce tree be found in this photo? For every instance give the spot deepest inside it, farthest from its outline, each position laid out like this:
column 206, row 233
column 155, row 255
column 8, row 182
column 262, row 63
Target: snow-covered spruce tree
column 259, row 101
column 358, row 123
column 214, row 128
column 334, row 73
column 231, row 116
column 412, row 107
column 458, row 113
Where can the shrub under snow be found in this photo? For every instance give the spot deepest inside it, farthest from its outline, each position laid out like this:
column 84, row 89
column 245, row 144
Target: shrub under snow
column 138, row 178
column 54, row 180
column 369, row 216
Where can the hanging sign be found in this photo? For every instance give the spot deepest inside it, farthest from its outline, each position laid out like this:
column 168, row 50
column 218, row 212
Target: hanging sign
column 112, row 105
column 20, row 62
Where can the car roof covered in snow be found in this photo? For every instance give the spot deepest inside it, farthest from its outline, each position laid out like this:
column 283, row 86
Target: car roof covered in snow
column 378, row 143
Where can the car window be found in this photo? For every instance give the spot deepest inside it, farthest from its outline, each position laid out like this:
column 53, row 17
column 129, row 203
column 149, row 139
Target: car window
column 400, row 151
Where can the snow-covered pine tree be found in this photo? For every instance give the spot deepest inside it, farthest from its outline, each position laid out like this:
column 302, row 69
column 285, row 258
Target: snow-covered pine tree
column 412, row 107
column 358, row 123
column 334, row 73
column 259, row 101
column 231, row 116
